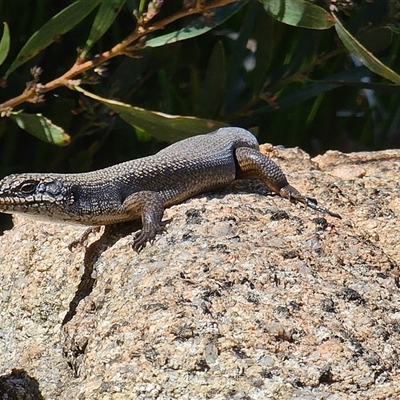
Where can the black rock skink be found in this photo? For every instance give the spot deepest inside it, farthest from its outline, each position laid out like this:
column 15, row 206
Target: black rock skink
column 142, row 188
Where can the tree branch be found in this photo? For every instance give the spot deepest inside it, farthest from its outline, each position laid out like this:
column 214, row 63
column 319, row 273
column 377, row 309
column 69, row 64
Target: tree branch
column 121, row 48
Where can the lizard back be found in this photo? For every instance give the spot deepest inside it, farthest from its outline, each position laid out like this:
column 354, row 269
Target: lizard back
column 184, row 169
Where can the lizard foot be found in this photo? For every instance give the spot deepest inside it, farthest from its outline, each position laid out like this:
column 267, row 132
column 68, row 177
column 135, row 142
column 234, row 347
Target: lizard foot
column 147, row 234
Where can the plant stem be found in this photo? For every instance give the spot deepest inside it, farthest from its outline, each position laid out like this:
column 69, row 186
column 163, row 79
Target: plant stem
column 119, row 49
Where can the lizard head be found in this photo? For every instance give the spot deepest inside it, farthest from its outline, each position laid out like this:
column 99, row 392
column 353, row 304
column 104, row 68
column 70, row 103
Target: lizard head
column 34, row 194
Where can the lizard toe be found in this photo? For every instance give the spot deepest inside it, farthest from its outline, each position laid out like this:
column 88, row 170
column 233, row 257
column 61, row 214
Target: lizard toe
column 140, row 238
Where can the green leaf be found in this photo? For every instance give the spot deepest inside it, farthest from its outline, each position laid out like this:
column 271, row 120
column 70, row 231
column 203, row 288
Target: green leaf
column 168, row 128
column 377, row 39
column 4, row 43
column 105, row 16
column 61, row 23
column 237, row 60
column 198, row 26
column 351, row 77
column 299, row 13
column 264, row 37
column 212, row 88
column 41, row 127
column 367, row 58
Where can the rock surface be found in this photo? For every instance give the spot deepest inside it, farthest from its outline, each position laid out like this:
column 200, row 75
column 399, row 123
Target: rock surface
column 246, row 296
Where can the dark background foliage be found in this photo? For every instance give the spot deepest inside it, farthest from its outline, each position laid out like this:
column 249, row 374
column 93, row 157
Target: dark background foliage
column 290, row 85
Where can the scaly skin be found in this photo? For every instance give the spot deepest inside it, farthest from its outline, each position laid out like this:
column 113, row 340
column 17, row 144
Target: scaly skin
column 142, row 188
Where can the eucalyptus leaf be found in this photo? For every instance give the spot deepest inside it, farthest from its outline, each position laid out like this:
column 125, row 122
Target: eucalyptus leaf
column 61, row 23
column 198, row 26
column 351, row 77
column 41, row 127
column 366, row 57
column 377, row 39
column 299, row 13
column 165, row 127
column 212, row 88
column 106, row 14
column 4, row 43
column 264, row 38
column 238, row 59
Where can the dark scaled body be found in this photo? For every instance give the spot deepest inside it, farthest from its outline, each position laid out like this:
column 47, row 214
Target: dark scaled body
column 142, row 188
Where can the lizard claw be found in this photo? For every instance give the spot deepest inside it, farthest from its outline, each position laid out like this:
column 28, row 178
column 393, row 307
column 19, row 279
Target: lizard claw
column 140, row 238
column 147, row 234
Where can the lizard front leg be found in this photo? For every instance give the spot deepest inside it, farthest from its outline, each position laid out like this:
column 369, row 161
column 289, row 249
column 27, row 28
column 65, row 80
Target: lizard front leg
column 254, row 165
column 149, row 206
column 85, row 235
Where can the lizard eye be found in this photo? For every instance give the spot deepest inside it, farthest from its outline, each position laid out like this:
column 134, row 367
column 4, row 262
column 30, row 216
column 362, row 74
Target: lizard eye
column 28, row 187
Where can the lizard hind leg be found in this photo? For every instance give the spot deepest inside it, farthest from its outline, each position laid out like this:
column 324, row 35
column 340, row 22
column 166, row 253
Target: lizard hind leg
column 251, row 164
column 254, row 165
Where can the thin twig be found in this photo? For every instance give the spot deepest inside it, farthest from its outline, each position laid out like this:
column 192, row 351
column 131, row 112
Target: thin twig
column 119, row 49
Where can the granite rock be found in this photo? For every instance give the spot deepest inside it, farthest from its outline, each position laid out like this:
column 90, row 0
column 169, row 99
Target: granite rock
column 245, row 296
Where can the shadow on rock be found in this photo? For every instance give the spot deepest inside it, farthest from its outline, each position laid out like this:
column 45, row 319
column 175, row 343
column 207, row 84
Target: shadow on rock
column 76, row 333
column 18, row 385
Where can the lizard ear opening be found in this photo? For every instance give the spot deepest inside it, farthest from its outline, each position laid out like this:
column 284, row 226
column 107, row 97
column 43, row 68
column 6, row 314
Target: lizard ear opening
column 73, row 195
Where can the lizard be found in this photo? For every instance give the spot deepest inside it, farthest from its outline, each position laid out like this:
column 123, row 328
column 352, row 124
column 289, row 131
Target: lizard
column 142, row 188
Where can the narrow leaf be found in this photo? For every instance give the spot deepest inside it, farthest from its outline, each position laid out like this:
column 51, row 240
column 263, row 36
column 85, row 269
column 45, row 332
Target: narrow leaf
column 313, row 89
column 61, row 23
column 299, row 13
column 105, row 16
column 212, row 88
column 41, row 127
column 237, row 59
column 4, row 43
column 376, row 39
column 367, row 58
column 198, row 26
column 168, row 128
column 264, row 37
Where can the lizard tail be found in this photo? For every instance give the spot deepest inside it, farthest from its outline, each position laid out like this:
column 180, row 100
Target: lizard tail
column 289, row 192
